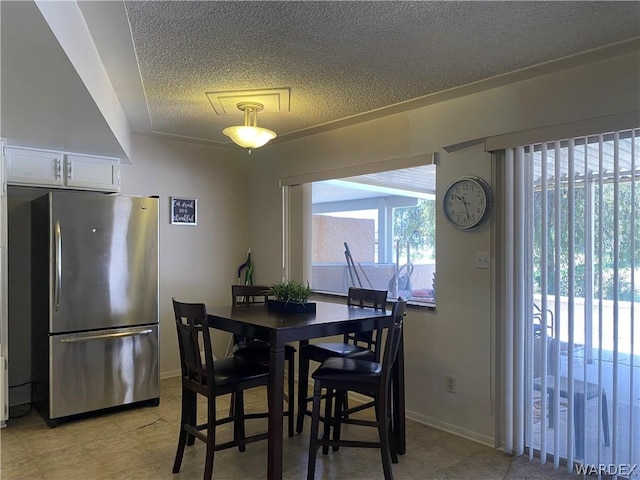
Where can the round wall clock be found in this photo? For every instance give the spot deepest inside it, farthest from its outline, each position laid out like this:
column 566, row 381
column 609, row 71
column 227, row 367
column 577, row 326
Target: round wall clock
column 467, row 202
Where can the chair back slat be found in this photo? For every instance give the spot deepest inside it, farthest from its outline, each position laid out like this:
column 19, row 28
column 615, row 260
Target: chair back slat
column 248, row 294
column 366, row 298
column 392, row 345
column 194, row 342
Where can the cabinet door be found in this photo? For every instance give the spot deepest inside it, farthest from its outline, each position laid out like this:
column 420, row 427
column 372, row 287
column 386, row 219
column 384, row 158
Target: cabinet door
column 33, row 167
column 92, row 173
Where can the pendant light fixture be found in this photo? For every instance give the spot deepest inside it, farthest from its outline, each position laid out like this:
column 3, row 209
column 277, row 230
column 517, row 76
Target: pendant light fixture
column 250, row 135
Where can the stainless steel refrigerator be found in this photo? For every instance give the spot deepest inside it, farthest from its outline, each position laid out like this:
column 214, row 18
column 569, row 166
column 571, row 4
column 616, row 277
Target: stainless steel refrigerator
column 94, row 280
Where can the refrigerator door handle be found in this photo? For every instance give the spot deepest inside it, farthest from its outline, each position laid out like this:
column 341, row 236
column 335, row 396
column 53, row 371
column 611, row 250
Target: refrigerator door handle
column 87, row 338
column 58, row 247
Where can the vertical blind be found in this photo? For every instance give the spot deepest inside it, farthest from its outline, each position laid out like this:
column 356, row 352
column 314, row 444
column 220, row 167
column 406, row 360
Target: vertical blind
column 572, row 383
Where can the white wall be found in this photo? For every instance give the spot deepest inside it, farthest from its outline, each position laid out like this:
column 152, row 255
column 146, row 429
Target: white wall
column 197, row 263
column 459, row 337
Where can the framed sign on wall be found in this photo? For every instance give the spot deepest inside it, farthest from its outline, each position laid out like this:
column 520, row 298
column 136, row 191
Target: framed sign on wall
column 184, row 211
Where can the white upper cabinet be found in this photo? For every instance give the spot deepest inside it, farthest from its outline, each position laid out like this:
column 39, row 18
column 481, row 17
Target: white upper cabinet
column 65, row 170
column 92, row 173
column 34, row 167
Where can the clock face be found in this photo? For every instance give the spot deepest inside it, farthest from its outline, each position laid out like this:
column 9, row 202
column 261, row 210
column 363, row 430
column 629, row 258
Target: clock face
column 466, row 202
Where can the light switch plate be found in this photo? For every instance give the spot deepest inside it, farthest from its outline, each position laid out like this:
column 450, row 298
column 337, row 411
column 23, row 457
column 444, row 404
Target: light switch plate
column 483, row 260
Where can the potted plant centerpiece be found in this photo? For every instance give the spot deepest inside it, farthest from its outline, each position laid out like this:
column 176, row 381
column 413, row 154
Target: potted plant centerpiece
column 291, row 296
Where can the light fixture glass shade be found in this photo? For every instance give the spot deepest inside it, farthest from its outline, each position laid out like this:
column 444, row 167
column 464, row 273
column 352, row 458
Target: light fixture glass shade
column 249, row 137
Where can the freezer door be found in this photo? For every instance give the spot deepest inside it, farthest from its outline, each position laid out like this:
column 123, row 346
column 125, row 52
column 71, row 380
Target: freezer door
column 96, row 370
column 104, row 261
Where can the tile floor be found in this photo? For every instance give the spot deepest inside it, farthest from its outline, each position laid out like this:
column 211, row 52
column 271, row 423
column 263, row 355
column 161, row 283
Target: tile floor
column 140, row 444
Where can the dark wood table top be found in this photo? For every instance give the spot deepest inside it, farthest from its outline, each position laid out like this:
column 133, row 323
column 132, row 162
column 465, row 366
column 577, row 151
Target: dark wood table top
column 257, row 321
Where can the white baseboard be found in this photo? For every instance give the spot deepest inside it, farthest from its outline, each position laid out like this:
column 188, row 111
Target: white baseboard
column 453, row 429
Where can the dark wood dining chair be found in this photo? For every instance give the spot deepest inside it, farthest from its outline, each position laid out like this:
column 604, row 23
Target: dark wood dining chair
column 340, row 375
column 201, row 375
column 362, row 345
column 258, row 350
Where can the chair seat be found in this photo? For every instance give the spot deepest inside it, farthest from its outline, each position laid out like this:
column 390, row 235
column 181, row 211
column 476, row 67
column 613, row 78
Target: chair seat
column 258, row 351
column 232, row 369
column 319, row 352
column 337, row 369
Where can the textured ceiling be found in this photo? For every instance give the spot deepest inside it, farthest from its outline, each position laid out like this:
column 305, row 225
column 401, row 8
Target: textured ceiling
column 345, row 58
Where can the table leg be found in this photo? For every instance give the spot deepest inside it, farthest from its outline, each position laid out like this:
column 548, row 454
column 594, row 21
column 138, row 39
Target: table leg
column 398, row 405
column 303, row 386
column 276, row 399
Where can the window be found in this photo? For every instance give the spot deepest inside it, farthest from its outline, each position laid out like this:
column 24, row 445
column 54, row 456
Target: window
column 376, row 231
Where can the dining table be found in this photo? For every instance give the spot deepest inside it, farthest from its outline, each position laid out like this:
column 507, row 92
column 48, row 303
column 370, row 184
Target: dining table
column 279, row 328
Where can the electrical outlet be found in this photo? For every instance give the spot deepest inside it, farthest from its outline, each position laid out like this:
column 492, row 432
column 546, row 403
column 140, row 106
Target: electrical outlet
column 451, row 384
column 483, row 260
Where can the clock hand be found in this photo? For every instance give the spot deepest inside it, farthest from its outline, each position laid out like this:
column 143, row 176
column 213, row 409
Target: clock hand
column 464, row 202
column 465, row 206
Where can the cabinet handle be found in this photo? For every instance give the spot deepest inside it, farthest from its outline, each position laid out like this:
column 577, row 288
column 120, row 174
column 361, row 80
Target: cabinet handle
column 69, row 171
column 58, row 168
